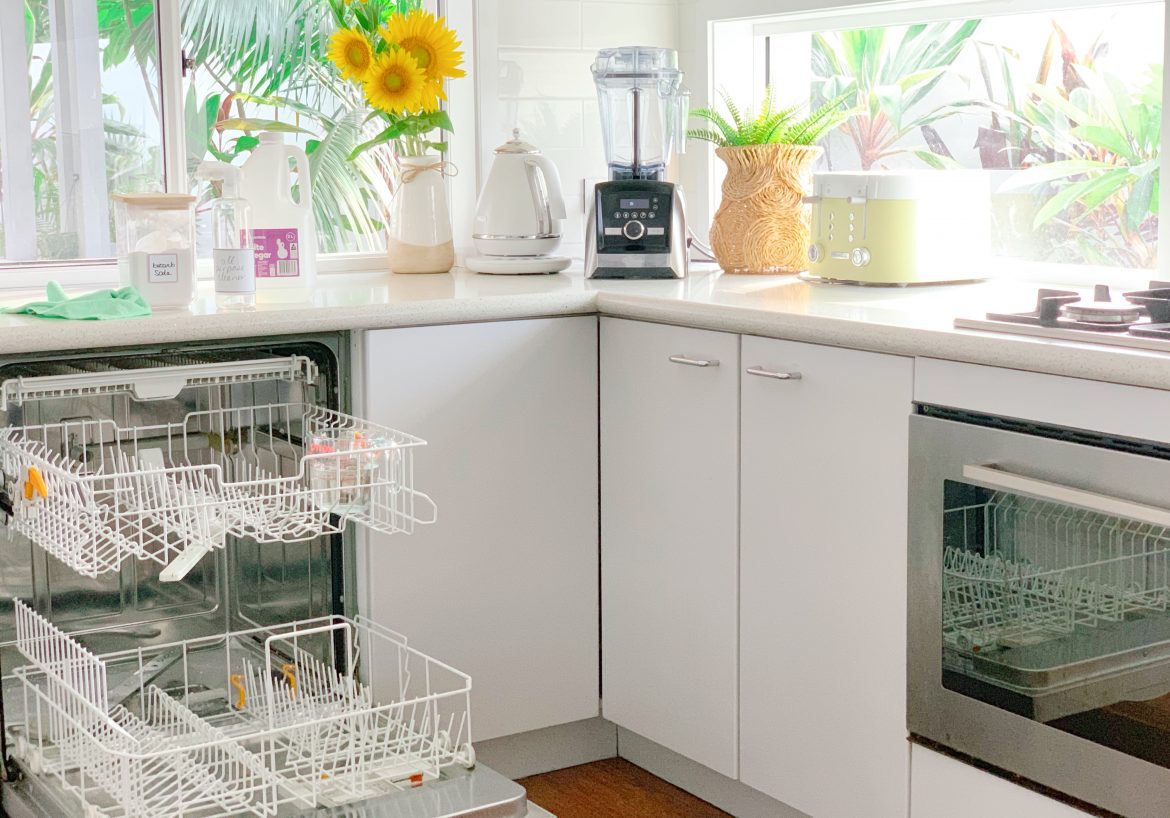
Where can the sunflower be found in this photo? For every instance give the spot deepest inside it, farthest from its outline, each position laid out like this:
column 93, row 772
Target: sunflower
column 432, row 94
column 428, row 40
column 395, row 83
column 352, row 53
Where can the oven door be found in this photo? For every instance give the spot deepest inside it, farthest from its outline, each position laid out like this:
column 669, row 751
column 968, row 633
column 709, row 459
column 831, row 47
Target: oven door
column 1039, row 607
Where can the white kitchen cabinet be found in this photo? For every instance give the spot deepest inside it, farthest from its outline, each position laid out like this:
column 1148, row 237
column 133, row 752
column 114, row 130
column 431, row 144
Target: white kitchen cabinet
column 504, row 585
column 669, row 562
column 823, row 577
column 943, row 787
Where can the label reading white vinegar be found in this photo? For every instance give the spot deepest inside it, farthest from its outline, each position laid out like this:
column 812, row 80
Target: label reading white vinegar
column 164, row 268
column 235, row 270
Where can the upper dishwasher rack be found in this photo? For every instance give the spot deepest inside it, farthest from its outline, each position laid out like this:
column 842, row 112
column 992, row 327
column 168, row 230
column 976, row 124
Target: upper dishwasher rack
column 94, row 494
column 151, row 377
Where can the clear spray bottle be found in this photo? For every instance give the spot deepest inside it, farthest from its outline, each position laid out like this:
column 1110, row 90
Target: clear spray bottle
column 232, row 254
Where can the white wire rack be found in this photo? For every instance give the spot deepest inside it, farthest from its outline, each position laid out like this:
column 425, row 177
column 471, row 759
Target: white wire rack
column 289, row 729
column 1031, row 570
column 94, row 494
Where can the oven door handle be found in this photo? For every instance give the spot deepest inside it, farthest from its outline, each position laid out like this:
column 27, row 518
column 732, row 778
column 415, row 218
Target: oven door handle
column 997, row 478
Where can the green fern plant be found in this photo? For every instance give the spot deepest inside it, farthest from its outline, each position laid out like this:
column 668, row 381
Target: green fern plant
column 768, row 127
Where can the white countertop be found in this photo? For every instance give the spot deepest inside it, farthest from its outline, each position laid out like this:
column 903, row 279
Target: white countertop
column 904, row 321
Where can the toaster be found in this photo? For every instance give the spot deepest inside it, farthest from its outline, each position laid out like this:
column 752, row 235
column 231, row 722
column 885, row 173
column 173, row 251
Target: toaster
column 896, row 228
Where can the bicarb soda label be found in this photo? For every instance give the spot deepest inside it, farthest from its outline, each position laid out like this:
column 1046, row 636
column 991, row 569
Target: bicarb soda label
column 278, row 252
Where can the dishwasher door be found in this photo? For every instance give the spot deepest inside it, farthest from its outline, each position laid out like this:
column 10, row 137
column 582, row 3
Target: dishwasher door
column 1039, row 605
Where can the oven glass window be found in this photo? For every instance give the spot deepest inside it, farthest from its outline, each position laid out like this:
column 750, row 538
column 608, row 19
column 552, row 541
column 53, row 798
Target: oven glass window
column 1060, row 615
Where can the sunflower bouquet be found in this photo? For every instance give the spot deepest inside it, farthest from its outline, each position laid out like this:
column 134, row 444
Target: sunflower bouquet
column 401, row 56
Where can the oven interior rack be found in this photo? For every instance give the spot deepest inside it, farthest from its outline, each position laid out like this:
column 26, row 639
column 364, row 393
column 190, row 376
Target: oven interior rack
column 242, row 724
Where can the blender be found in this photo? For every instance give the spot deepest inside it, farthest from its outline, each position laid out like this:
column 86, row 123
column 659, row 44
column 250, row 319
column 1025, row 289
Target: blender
column 637, row 223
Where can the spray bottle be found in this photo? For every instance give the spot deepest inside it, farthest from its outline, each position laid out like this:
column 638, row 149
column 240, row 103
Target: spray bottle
column 233, row 256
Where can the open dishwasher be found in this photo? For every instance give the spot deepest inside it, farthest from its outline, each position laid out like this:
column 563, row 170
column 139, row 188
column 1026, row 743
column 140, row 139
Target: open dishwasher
column 178, row 635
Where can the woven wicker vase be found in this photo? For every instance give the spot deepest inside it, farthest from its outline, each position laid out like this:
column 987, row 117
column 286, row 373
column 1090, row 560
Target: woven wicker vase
column 762, row 225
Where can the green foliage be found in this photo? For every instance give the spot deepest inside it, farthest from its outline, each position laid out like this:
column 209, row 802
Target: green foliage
column 884, row 81
column 1102, row 188
column 769, row 126
column 267, row 59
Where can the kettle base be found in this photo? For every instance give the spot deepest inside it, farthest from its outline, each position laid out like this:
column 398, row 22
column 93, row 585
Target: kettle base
column 517, row 265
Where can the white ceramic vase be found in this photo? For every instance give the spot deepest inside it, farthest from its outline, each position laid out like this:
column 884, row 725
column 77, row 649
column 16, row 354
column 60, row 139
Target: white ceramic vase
column 419, row 239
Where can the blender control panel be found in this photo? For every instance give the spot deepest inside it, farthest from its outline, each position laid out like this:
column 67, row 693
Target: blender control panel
column 633, row 216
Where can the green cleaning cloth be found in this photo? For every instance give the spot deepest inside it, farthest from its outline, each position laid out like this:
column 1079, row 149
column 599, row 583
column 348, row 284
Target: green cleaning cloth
column 96, row 306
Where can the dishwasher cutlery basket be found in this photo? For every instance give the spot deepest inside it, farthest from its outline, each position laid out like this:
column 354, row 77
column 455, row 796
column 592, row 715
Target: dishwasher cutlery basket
column 1032, row 570
column 94, row 494
column 276, row 724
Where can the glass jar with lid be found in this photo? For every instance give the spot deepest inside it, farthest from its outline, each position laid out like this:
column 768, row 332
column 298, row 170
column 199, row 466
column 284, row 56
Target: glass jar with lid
column 156, row 246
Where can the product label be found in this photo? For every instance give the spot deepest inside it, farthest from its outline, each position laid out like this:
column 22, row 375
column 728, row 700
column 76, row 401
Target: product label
column 278, row 252
column 163, row 268
column 235, row 270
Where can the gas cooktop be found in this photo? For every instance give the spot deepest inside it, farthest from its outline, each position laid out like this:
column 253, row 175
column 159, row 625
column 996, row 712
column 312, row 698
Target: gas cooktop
column 1139, row 320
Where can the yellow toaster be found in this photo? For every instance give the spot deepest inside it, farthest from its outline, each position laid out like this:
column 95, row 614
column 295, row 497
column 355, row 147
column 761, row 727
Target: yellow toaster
column 900, row 227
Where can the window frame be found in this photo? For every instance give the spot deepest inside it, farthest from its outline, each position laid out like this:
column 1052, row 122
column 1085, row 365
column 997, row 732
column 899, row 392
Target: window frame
column 697, row 48
column 21, row 274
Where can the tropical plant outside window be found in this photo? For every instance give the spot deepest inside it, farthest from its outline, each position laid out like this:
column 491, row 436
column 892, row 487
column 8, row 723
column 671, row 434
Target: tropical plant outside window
column 95, row 125
column 1062, row 110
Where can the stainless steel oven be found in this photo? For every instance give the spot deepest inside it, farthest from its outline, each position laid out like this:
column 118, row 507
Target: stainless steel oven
column 1039, row 605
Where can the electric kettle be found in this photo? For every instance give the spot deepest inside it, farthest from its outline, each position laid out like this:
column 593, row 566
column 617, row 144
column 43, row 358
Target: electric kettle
column 520, row 212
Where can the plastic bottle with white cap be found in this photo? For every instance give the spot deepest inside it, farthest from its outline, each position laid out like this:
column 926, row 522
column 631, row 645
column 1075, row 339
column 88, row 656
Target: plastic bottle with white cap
column 284, row 234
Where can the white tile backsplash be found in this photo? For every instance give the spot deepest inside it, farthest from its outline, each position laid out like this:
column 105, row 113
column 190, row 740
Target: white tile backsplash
column 535, row 73
column 606, row 25
column 540, row 23
column 544, row 49
column 549, row 124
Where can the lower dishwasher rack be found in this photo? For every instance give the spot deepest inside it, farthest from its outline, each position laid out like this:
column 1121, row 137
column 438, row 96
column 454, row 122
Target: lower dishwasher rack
column 94, row 495
column 253, row 722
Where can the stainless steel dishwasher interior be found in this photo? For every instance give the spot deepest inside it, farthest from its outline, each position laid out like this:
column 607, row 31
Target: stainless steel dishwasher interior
column 241, row 586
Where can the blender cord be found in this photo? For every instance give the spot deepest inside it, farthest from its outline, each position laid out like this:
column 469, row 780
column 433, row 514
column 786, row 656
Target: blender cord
column 703, row 250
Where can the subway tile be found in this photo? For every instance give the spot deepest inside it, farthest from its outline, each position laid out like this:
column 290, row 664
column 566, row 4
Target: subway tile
column 605, row 25
column 532, row 73
column 547, row 24
column 548, row 124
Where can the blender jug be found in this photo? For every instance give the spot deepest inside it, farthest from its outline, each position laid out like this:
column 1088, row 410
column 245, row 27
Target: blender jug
column 643, row 109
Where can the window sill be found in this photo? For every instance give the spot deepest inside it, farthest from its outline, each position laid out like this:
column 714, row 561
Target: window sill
column 104, row 273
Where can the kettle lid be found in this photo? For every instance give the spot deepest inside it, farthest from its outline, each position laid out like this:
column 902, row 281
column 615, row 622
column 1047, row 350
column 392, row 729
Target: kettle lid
column 517, row 145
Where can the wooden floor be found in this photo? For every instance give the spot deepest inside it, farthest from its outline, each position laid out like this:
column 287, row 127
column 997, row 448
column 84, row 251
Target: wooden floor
column 613, row 788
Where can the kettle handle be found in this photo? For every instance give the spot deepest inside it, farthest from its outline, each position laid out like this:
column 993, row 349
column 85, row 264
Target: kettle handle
column 552, row 180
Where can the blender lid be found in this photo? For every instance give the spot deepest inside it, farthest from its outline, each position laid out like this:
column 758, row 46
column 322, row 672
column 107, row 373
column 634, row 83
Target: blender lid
column 517, row 145
column 636, row 62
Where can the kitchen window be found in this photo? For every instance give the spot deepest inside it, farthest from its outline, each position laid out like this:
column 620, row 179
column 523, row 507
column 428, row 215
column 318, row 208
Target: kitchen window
column 113, row 108
column 1059, row 104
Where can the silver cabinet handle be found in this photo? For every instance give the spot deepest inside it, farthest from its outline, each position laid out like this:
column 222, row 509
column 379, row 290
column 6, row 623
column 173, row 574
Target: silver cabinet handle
column 778, row 376
column 683, row 359
column 997, row 478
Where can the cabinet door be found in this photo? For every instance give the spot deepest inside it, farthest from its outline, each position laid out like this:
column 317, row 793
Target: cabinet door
column 823, row 578
column 503, row 586
column 669, row 461
column 942, row 787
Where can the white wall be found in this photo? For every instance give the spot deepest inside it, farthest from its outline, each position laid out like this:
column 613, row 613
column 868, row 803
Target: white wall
column 533, row 64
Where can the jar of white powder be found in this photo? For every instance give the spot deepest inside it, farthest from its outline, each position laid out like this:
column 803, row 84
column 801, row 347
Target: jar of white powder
column 156, row 246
